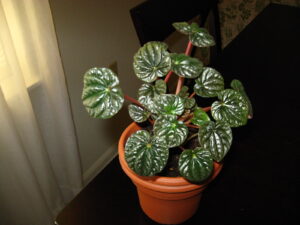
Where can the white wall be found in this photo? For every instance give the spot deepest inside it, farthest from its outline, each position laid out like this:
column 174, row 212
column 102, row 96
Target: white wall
column 96, row 33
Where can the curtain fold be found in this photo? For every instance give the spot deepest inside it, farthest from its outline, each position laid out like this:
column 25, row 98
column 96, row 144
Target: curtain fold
column 40, row 167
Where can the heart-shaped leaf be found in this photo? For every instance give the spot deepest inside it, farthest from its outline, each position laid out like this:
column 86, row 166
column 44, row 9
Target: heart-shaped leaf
column 147, row 92
column 144, row 154
column 101, row 95
column 232, row 108
column 200, row 36
column 216, row 138
column 182, row 27
column 209, row 84
column 152, row 61
column 169, row 104
column 200, row 117
column 195, row 165
column 238, row 86
column 137, row 113
column 172, row 130
column 186, row 66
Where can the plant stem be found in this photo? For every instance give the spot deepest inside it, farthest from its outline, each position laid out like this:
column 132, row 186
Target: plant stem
column 206, row 109
column 180, row 82
column 181, row 148
column 151, row 121
column 192, row 126
column 187, row 122
column 179, row 85
column 192, row 95
column 168, row 76
column 128, row 98
column 192, row 136
column 189, row 48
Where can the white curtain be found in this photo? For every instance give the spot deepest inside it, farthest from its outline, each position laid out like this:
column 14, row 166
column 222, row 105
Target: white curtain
column 39, row 161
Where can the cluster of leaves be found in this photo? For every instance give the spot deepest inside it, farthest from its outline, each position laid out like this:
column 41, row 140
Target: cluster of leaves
column 147, row 152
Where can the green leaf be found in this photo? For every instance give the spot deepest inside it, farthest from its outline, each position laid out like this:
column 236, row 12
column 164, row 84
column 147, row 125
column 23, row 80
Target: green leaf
column 101, row 95
column 200, row 117
column 172, row 130
column 184, row 94
column 216, row 137
column 195, row 165
column 209, row 84
column 189, row 103
column 232, row 108
column 186, row 66
column 160, row 87
column 152, row 61
column 137, row 113
column 182, row 27
column 200, row 36
column 148, row 92
column 169, row 104
column 144, row 154
column 238, row 86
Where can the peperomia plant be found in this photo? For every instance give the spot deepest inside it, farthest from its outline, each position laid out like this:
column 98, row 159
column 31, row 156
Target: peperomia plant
column 175, row 118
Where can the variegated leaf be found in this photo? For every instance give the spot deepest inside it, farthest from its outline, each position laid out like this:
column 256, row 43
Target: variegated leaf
column 216, row 138
column 146, row 155
column 200, row 36
column 186, row 66
column 232, row 108
column 209, row 84
column 195, row 165
column 182, row 27
column 101, row 95
column 137, row 113
column 238, row 86
column 152, row 61
column 200, row 117
column 169, row 104
column 172, row 130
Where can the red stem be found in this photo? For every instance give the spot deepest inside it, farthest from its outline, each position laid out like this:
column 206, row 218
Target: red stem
column 192, row 95
column 206, row 109
column 180, row 82
column 168, row 76
column 128, row 98
column 189, row 48
column 193, row 126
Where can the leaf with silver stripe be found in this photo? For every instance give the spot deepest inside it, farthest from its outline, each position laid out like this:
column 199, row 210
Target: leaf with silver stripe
column 169, row 104
column 169, row 128
column 146, row 155
column 137, row 113
column 195, row 165
column 209, row 83
column 152, row 61
column 216, row 137
column 101, row 95
column 232, row 108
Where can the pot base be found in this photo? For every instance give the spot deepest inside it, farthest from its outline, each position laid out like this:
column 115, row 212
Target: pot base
column 168, row 211
column 166, row 200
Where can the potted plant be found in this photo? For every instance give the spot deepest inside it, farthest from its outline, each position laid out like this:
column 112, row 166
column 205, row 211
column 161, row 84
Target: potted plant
column 175, row 147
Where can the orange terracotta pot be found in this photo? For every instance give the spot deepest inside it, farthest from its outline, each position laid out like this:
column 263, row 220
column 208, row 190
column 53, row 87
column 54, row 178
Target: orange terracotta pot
column 166, row 200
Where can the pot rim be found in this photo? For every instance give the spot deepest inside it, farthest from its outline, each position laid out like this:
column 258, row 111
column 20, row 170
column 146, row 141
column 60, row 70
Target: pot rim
column 170, row 184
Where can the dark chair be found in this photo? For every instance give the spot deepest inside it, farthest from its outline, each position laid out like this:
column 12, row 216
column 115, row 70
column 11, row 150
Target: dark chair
column 153, row 19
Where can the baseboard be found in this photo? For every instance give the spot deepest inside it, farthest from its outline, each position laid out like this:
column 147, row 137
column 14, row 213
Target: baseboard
column 100, row 164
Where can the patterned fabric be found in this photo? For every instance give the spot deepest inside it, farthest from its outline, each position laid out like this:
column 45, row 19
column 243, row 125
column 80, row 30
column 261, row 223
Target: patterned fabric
column 236, row 14
column 287, row 2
